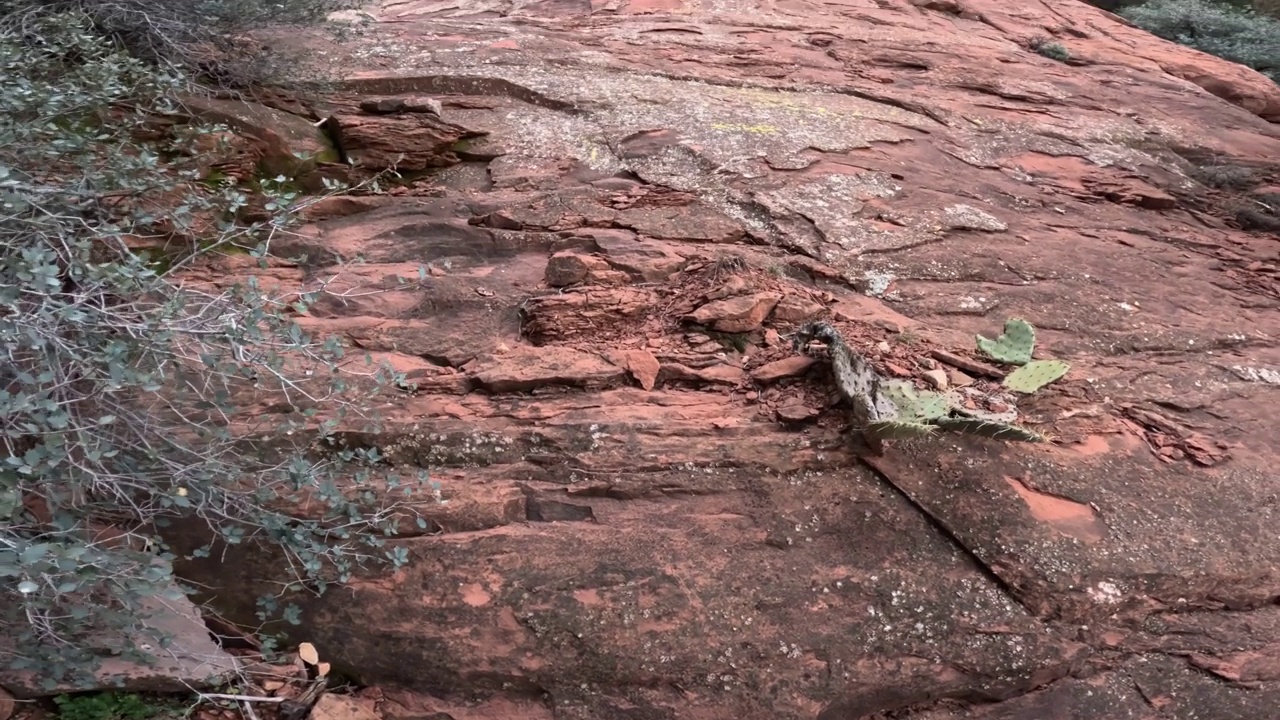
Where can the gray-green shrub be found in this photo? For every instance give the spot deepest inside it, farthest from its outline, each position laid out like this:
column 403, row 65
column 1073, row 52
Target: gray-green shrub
column 1232, row 33
column 129, row 399
column 205, row 38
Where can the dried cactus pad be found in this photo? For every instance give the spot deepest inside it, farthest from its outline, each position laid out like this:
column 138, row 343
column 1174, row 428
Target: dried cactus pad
column 1014, row 346
column 898, row 430
column 1035, row 375
column 983, row 428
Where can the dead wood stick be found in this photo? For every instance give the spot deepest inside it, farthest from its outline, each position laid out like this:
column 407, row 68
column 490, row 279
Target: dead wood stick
column 966, row 364
column 300, row 707
column 241, row 698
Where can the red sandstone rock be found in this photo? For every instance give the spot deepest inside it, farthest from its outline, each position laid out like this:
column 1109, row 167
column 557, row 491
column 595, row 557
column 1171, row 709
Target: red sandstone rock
column 404, row 142
column 641, row 363
column 344, row 707
column 739, row 314
column 715, row 555
column 569, row 268
column 794, row 309
column 778, row 369
column 529, row 368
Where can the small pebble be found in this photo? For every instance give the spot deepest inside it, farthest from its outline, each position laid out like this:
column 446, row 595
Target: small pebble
column 937, row 378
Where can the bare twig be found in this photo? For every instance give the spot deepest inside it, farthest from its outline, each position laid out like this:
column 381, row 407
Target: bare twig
column 241, row 698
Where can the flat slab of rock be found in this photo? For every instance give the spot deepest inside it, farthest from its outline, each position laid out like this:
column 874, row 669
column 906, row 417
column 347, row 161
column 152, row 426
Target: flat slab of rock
column 874, row 626
column 527, row 368
column 1066, row 529
column 188, row 658
column 393, row 105
column 737, row 314
column 787, row 367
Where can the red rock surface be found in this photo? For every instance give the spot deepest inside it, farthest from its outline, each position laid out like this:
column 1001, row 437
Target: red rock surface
column 651, row 518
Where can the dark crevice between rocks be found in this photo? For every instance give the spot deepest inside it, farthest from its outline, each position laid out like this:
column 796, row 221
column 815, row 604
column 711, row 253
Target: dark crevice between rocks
column 330, row 128
column 540, row 508
column 441, row 360
column 906, row 700
column 226, row 634
column 511, row 685
column 459, row 85
column 1212, row 602
column 1142, row 693
column 1005, row 586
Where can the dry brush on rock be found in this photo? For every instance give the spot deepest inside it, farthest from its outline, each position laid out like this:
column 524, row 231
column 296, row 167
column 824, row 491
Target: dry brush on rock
column 130, row 399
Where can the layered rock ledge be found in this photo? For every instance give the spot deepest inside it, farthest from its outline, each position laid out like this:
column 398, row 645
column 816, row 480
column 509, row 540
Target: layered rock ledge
column 624, row 207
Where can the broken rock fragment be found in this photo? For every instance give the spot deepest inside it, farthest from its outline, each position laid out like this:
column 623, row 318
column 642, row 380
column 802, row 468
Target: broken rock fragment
column 570, row 268
column 738, row 314
column 404, row 142
column 393, row 105
column 784, row 368
column 641, row 363
column 796, row 309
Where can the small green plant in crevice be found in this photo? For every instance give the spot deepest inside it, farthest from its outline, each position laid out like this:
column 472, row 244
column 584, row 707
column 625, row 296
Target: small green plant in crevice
column 107, row 706
column 736, row 342
column 1051, row 49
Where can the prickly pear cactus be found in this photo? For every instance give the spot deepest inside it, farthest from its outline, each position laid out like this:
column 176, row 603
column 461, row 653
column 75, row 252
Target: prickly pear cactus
column 898, row 429
column 984, row 428
column 1014, row 346
column 885, row 409
column 1035, row 375
column 915, row 405
column 856, row 380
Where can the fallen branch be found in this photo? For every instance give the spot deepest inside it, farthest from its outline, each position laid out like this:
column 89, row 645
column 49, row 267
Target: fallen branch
column 247, row 709
column 300, row 708
column 964, row 363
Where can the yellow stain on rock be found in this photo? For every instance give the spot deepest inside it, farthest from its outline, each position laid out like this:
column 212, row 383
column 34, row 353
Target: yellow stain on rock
column 742, row 127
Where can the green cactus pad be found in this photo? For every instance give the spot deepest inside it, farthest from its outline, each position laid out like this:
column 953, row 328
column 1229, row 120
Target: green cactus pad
column 1014, row 346
column 1035, row 375
column 994, row 430
column 914, row 405
column 898, row 429
column 884, row 408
